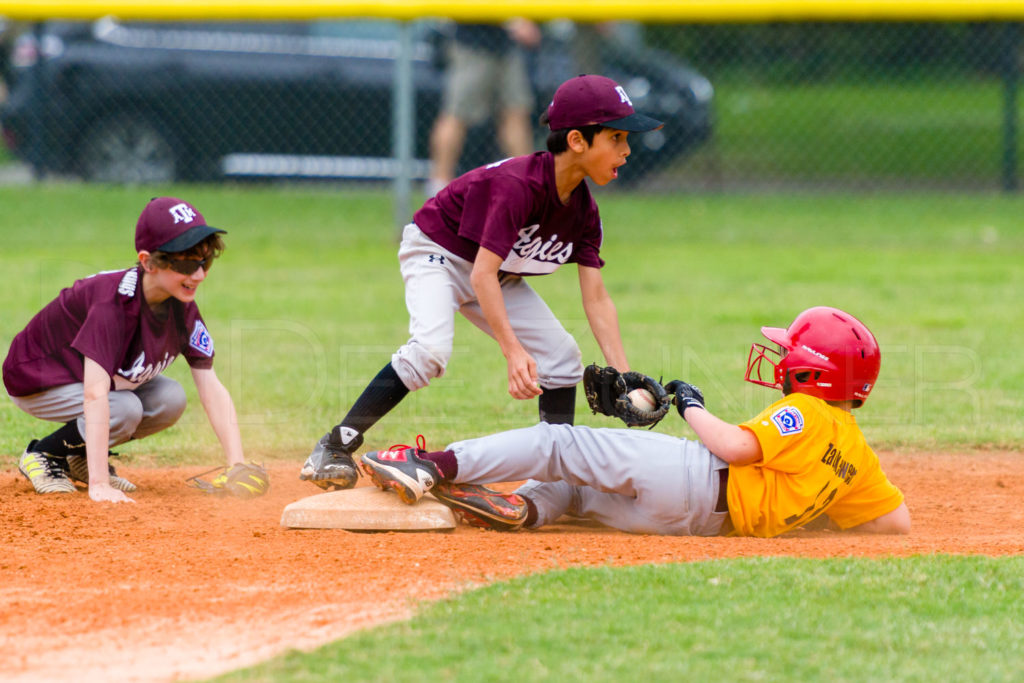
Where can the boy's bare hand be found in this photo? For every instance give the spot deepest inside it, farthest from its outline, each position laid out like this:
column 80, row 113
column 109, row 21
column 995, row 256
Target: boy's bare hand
column 105, row 493
column 522, row 376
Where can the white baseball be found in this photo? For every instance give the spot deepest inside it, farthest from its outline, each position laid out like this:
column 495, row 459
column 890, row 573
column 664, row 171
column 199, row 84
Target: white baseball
column 642, row 399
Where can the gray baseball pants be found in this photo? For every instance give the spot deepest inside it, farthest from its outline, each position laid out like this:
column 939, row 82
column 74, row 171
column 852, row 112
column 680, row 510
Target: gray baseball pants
column 437, row 285
column 134, row 414
column 638, row 481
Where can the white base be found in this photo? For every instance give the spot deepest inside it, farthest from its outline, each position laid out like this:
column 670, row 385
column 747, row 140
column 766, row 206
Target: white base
column 366, row 509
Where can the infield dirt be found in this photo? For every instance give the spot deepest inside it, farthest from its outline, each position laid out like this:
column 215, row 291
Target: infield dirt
column 181, row 585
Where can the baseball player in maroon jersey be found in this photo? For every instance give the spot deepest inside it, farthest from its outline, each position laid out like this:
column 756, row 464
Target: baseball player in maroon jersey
column 469, row 249
column 92, row 358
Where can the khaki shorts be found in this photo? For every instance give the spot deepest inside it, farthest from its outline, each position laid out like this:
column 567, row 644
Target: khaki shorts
column 481, row 83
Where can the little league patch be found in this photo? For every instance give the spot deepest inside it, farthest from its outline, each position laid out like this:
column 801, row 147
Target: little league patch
column 200, row 340
column 788, row 421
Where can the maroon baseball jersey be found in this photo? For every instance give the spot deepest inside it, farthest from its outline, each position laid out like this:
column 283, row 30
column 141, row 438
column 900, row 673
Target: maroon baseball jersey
column 511, row 207
column 106, row 318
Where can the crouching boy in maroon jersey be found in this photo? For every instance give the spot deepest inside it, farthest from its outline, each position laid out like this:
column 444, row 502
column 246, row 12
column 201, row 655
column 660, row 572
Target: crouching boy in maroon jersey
column 92, row 358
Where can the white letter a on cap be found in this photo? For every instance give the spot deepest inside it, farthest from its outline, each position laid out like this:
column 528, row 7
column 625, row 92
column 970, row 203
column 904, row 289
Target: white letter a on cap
column 182, row 213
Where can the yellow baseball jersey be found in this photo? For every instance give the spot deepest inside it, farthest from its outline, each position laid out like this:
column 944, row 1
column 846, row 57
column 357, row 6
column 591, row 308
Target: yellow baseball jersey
column 815, row 461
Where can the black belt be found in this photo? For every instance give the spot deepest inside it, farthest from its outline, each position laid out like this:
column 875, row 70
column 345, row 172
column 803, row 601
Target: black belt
column 723, row 490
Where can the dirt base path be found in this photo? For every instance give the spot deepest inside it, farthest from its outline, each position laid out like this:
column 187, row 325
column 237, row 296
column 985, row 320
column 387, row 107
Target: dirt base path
column 181, row 585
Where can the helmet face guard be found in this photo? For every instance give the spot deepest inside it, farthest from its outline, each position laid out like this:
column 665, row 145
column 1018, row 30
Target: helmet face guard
column 763, row 366
column 825, row 353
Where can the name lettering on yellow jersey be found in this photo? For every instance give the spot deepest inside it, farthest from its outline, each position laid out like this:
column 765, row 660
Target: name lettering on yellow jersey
column 843, row 468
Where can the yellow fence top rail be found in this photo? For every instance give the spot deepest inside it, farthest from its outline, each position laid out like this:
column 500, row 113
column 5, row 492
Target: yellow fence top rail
column 684, row 11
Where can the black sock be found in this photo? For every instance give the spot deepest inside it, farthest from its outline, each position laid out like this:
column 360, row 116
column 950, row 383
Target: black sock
column 384, row 392
column 64, row 442
column 558, row 406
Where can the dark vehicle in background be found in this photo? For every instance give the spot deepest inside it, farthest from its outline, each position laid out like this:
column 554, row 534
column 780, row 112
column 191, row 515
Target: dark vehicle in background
column 155, row 102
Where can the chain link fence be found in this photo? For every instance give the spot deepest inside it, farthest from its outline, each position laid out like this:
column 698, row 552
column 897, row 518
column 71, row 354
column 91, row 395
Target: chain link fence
column 834, row 106
column 876, row 106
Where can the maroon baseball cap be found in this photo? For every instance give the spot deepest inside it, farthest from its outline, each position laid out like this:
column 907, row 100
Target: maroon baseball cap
column 171, row 225
column 589, row 99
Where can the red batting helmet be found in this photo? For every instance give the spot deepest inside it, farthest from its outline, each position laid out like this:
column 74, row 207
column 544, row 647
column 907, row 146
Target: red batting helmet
column 825, row 352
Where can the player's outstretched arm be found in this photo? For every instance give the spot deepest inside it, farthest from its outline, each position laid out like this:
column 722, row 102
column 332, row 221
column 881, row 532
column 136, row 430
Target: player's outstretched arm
column 96, row 408
column 603, row 317
column 731, row 443
column 522, row 368
column 220, row 410
column 895, row 522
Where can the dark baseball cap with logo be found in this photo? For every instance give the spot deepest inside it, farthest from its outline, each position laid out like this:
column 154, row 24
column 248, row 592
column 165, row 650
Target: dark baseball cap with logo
column 589, row 99
column 171, row 225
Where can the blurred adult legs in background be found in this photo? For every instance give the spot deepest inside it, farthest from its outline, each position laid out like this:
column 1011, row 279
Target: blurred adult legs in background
column 487, row 76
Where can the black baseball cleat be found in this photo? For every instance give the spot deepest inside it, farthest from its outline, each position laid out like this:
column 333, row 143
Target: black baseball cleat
column 330, row 465
column 402, row 470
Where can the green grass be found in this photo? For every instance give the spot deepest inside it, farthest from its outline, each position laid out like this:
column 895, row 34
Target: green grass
column 307, row 304
column 919, row 619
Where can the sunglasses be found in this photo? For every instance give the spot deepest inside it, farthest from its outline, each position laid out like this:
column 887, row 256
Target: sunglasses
column 187, row 266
